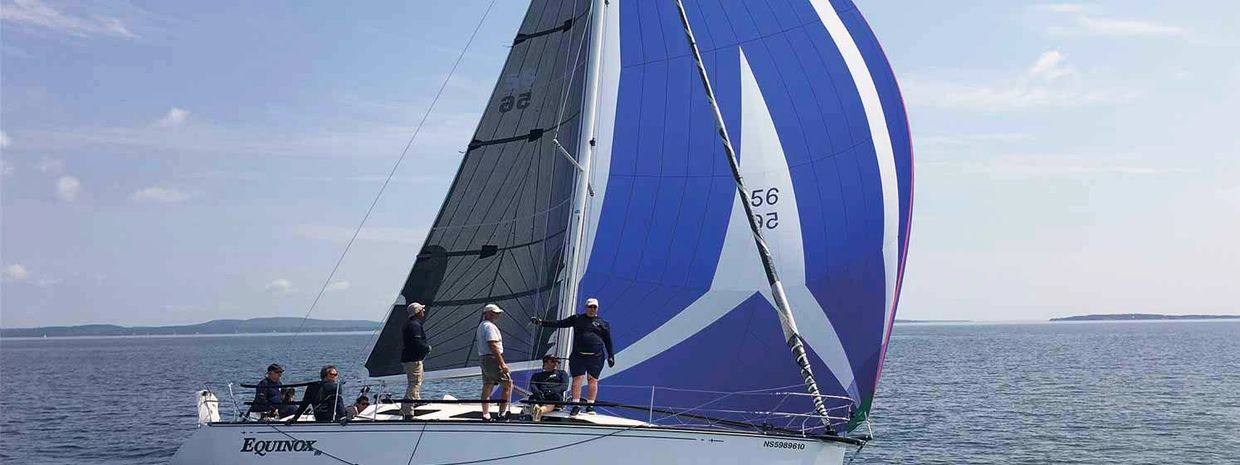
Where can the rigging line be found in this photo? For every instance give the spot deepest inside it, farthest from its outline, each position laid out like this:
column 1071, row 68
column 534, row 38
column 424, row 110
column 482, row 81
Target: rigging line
column 392, row 173
column 312, row 447
column 421, row 434
column 573, row 75
column 542, row 451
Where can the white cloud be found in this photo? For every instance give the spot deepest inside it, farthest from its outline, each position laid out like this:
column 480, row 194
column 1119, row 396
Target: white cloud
column 338, row 286
column 6, row 168
column 1082, row 22
column 14, row 272
column 1049, row 66
column 34, row 14
column 68, row 188
column 342, row 234
column 1049, row 82
column 4, row 139
column 174, row 118
column 281, row 286
column 156, row 194
column 50, row 165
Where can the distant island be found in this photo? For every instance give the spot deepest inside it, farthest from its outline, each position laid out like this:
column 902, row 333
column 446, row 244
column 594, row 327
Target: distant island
column 251, row 326
column 1144, row 316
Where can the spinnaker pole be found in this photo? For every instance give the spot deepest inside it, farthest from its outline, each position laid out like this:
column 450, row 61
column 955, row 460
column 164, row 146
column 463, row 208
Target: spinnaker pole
column 791, row 335
column 585, row 162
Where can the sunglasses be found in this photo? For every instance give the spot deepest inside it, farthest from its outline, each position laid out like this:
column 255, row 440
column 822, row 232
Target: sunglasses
column 332, row 373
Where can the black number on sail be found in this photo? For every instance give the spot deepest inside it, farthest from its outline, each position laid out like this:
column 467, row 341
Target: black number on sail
column 761, row 197
column 520, row 102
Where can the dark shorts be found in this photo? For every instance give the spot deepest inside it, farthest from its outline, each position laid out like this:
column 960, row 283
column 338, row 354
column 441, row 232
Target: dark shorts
column 580, row 364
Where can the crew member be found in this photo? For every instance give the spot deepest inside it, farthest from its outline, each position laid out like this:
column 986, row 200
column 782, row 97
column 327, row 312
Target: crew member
column 267, row 394
column 412, row 354
column 491, row 354
column 547, row 385
column 591, row 337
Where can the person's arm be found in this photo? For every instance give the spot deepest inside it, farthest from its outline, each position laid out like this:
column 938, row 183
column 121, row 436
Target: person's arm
column 611, row 354
column 499, row 356
column 561, row 386
column 565, row 323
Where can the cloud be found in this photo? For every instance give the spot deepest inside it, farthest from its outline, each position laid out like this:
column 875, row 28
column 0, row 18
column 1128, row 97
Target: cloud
column 34, row 14
column 50, row 165
column 1049, row 66
column 1082, row 22
column 969, row 140
column 6, row 168
column 338, row 286
column 1050, row 82
column 4, row 139
column 174, row 118
column 68, row 188
column 281, row 286
column 342, row 234
column 14, row 272
column 156, row 194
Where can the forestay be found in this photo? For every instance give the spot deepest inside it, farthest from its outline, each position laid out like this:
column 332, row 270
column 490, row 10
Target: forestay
column 815, row 113
column 500, row 235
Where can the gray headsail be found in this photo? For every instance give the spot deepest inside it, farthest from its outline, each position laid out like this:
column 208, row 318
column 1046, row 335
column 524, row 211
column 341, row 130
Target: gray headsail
column 500, row 235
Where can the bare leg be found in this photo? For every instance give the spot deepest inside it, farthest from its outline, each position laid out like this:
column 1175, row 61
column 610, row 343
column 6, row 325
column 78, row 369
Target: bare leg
column 577, row 387
column 507, row 396
column 486, row 395
column 592, row 390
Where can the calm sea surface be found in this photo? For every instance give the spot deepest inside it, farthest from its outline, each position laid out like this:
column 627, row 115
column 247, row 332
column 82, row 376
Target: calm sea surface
column 1087, row 393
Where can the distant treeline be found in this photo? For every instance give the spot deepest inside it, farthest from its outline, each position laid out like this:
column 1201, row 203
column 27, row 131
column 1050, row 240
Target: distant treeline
column 1144, row 316
column 251, row 326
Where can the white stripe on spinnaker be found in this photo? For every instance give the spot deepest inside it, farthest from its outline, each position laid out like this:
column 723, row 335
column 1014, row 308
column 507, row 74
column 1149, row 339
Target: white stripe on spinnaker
column 765, row 166
column 883, row 150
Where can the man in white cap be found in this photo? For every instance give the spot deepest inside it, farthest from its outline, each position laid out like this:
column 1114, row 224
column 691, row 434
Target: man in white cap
column 591, row 337
column 491, row 359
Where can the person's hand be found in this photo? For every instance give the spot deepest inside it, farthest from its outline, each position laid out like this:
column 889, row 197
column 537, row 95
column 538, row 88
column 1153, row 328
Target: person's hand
column 536, row 320
column 503, row 368
column 611, row 361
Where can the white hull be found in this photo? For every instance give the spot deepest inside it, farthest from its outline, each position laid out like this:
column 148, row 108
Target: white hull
column 460, row 442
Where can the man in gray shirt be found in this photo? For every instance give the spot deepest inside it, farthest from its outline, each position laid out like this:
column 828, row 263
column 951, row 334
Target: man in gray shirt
column 490, row 345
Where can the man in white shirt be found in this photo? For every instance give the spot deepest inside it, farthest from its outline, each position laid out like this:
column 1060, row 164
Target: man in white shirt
column 491, row 359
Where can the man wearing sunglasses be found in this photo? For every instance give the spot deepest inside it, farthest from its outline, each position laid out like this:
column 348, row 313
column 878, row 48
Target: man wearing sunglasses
column 591, row 337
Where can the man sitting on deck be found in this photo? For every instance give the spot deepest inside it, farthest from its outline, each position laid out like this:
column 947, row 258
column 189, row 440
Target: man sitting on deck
column 547, row 385
column 267, row 394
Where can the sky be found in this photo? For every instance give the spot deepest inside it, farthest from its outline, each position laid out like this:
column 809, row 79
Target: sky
column 176, row 162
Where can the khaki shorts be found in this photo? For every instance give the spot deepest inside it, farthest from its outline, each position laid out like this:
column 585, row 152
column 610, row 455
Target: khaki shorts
column 490, row 371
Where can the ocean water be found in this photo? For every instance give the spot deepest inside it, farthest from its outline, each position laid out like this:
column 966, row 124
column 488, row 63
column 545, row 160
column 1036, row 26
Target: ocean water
column 1087, row 393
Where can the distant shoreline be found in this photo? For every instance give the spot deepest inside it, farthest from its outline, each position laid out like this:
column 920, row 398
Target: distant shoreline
column 253, row 326
column 1143, row 317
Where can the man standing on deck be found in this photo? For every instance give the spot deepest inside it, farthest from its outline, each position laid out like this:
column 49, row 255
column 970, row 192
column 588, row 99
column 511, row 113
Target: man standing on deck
column 412, row 354
column 591, row 336
column 491, row 354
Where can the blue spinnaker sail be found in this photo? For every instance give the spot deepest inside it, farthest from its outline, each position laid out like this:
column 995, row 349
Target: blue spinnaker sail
column 816, row 116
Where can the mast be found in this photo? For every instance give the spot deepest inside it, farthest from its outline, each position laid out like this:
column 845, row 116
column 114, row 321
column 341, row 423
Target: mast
column 585, row 161
column 791, row 335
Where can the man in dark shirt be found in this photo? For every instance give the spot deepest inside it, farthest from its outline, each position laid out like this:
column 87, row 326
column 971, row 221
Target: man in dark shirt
column 267, row 394
column 412, row 354
column 548, row 385
column 591, row 337
column 328, row 400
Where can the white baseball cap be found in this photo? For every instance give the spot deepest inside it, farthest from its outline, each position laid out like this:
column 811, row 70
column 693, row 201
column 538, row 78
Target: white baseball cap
column 591, row 301
column 492, row 308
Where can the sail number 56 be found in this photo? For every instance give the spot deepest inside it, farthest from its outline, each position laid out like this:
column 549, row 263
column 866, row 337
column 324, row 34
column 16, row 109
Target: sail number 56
column 508, row 102
column 765, row 197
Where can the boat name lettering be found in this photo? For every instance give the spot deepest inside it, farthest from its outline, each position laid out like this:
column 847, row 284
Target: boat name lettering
column 262, row 448
column 784, row 445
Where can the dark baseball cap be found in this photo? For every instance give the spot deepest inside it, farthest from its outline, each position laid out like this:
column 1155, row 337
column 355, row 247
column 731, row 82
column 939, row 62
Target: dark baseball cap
column 275, row 367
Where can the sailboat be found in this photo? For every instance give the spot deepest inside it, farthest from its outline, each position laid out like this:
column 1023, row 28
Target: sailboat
column 732, row 180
